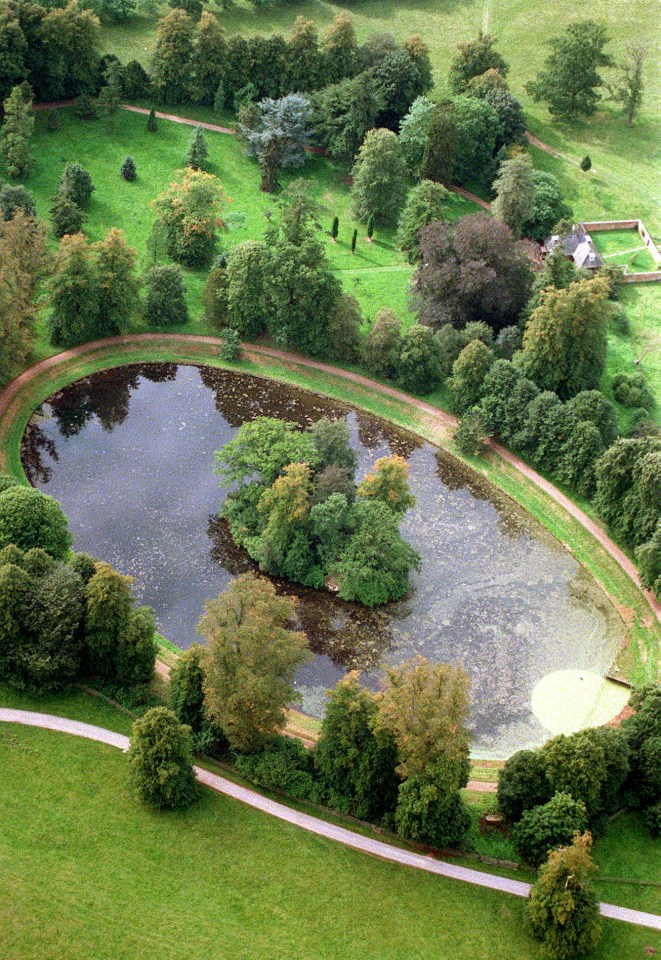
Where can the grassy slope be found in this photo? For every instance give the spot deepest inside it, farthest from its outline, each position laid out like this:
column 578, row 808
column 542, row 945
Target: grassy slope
column 217, row 880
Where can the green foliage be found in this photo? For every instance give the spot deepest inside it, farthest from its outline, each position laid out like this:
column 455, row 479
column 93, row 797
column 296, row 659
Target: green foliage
column 388, row 482
column 628, row 88
column 185, row 693
column 128, row 170
column 515, row 192
column 548, row 207
column 428, row 812
column 468, row 373
column 151, row 121
column 189, row 210
column 343, row 328
column 511, row 116
column 418, row 364
column 342, row 115
column 477, row 133
column 381, row 347
column 631, row 390
column 198, row 151
column 474, row 58
column 76, row 183
column 628, row 485
column 546, row 827
column 523, row 784
column 592, row 405
column 7, row 481
column 264, row 447
column 283, row 766
column 109, row 604
column 160, row 760
column 230, row 345
column 247, row 285
column 85, row 107
column 563, row 908
column 66, row 216
column 643, row 733
column 16, row 132
column 439, row 156
column 648, row 558
column 414, row 131
column 569, row 81
column 471, row 433
column 424, row 204
column 576, row 765
column 564, row 343
column 332, row 442
column 355, row 764
column 136, row 652
column 15, row 197
column 170, row 68
column 165, row 299
column 379, row 178
column 580, row 452
column 214, row 295
column 249, row 661
column 29, row 518
column 586, row 163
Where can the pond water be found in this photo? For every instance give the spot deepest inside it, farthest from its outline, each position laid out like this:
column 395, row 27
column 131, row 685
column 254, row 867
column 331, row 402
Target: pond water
column 129, row 454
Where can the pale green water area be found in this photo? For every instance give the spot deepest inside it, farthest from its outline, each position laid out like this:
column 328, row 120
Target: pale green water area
column 129, row 454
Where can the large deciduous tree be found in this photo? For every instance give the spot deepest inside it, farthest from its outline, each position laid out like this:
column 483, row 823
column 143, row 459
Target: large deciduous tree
column 471, row 270
column 564, row 343
column 342, row 115
column 250, row 659
column 473, row 58
column 477, row 133
column 425, row 203
column 628, row 88
column 22, row 249
column 189, row 210
column 515, row 192
column 569, row 81
column 379, row 178
column 30, row 518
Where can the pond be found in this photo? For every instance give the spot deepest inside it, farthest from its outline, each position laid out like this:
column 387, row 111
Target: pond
column 129, row 454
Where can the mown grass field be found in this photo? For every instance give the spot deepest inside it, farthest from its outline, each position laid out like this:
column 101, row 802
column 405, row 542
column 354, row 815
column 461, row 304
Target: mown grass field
column 218, row 880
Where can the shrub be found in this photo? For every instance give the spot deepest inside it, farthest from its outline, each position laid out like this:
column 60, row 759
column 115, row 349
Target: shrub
column 586, row 163
column 548, row 826
column 151, row 121
column 29, row 518
column 282, row 766
column 6, row 481
column 185, row 694
column 128, row 170
column 652, row 818
column 418, row 364
column 631, row 390
column 15, row 197
column 230, row 345
column 160, row 760
column 471, row 433
column 84, row 107
column 428, row 813
column 165, row 300
column 198, row 151
column 76, row 183
column 381, row 347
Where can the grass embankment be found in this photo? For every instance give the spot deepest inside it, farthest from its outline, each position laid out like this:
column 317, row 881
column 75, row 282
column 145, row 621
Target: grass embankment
column 79, row 854
column 638, row 661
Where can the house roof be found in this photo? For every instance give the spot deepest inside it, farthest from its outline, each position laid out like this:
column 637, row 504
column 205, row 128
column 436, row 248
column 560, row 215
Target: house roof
column 579, row 246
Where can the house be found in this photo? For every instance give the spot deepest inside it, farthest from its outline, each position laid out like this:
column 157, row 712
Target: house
column 577, row 246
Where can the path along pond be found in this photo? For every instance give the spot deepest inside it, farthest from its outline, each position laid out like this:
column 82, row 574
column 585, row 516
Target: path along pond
column 129, row 454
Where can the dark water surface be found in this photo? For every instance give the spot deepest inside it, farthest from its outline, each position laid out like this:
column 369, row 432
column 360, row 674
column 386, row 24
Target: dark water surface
column 129, row 454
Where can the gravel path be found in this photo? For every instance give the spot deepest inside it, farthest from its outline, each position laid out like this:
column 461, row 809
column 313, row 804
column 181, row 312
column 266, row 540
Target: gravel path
column 320, row 827
column 10, row 400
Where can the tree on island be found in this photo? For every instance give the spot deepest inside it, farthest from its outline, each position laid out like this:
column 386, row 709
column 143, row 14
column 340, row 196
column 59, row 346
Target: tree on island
column 249, row 660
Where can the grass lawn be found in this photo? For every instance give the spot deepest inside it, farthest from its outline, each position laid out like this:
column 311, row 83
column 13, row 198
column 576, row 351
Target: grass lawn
column 89, row 873
column 624, row 247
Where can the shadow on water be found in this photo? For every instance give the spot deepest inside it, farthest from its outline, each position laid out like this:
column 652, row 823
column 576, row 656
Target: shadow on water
column 129, row 453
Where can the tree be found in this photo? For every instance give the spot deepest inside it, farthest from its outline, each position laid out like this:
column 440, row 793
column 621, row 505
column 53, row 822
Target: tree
column 379, row 178
column 511, row 116
column 438, row 159
column 564, row 343
column 119, row 286
column 160, row 759
column 185, row 693
column 151, row 121
column 63, row 52
column 262, row 449
column 29, row 518
column 577, row 462
column 332, row 441
column 569, row 80
column 431, row 811
column 476, row 137
column 425, row 708
column 171, row 62
column 648, row 558
column 110, row 95
column 197, row 151
column 14, row 197
column 249, row 661
column 586, row 163
column 340, row 49
column 388, row 482
column 424, row 204
column 135, row 81
column 488, row 82
column 523, row 784
column 381, row 348
column 247, row 282
column 165, row 300
column 418, row 365
column 628, row 88
column 546, row 827
column 128, row 170
column 468, row 373
column 355, row 763
column 335, row 229
column 13, row 50
column 576, row 765
column 343, row 329
column 189, row 210
column 398, row 82
column 282, row 126
column 515, row 192
column 470, row 270
column 76, row 183
column 548, row 207
column 342, row 114
column 471, row 433
column 109, row 607
column 304, row 58
column 22, row 250
column 643, row 732
column 16, row 132
column 209, row 60
column 354, row 238
column 631, row 390
column 375, row 564
column 370, row 227
column 16, row 595
column 414, row 131
column 592, row 405
column 66, row 216
column 475, row 57
column 75, row 291
column 628, row 483
column 563, row 908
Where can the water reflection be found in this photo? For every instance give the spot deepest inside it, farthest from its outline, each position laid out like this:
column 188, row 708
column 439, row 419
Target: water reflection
column 129, row 453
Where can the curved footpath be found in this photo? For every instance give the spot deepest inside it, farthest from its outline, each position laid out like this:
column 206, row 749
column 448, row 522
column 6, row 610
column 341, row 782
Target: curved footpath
column 433, row 414
column 322, row 828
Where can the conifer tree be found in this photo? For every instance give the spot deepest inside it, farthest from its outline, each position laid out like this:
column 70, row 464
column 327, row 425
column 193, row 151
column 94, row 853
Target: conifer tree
column 17, row 131
column 128, row 170
column 151, row 121
column 354, row 238
column 198, row 150
column 335, row 228
column 439, row 157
